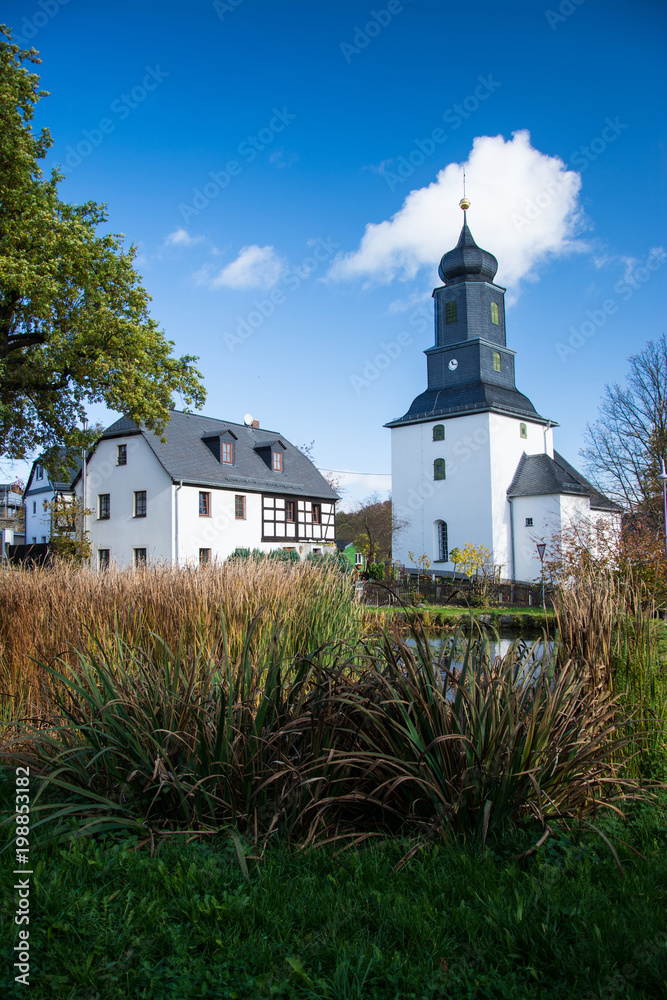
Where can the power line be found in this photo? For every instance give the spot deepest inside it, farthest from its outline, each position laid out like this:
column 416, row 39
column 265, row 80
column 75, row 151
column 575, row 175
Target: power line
column 351, row 472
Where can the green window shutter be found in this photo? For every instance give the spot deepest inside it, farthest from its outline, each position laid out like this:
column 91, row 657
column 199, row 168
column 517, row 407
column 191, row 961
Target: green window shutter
column 439, row 468
column 439, row 432
column 495, row 318
column 496, row 361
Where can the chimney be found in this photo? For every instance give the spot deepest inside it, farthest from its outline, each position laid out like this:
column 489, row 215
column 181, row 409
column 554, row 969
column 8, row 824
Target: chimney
column 255, row 423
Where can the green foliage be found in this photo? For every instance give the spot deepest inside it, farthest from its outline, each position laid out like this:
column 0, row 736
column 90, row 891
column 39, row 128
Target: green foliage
column 74, row 550
column 376, row 571
column 335, row 560
column 75, row 326
column 116, row 922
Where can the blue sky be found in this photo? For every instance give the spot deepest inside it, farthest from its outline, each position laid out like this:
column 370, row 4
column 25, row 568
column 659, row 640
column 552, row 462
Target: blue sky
column 246, row 146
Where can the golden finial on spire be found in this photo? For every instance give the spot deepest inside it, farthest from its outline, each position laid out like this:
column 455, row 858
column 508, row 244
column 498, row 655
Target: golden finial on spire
column 464, row 203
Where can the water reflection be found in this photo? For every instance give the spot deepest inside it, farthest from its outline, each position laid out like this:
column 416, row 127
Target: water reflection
column 528, row 649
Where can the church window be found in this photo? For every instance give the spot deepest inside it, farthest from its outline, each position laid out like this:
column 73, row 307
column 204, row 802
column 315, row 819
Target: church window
column 450, row 312
column 439, row 432
column 494, row 313
column 443, row 551
column 523, row 431
column 496, row 361
column 439, row 468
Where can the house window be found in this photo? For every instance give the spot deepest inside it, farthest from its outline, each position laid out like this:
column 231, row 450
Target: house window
column 523, row 431
column 277, row 461
column 239, row 508
column 450, row 312
column 443, row 551
column 103, row 558
column 39, row 472
column 529, row 522
column 358, row 559
column 204, row 504
column 496, row 361
column 494, row 313
column 34, row 506
column 439, row 469
column 289, row 510
column 227, row 453
column 121, row 454
column 204, row 556
column 140, row 503
column 439, row 432
column 317, row 513
column 104, row 506
column 140, row 557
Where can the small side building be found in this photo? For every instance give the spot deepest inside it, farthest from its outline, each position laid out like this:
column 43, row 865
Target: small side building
column 40, row 490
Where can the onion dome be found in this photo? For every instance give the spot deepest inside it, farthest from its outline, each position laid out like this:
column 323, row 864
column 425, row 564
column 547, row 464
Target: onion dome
column 467, row 261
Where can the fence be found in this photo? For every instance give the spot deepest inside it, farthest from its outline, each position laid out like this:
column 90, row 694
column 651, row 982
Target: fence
column 443, row 590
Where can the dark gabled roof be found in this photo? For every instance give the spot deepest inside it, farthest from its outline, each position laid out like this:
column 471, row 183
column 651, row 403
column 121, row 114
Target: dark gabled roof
column 57, row 485
column 342, row 544
column 185, row 456
column 471, row 398
column 539, row 475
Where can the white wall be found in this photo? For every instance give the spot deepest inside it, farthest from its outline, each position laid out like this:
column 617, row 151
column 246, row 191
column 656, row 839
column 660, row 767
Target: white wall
column 481, row 452
column 124, row 532
column 38, row 525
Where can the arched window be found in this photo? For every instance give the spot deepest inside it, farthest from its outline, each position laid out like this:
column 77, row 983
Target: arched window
column 450, row 312
column 496, row 361
column 441, row 541
column 523, row 431
column 439, row 468
column 494, row 313
column 439, row 432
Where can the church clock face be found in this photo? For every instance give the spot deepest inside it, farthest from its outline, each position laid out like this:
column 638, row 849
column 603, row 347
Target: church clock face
column 453, row 365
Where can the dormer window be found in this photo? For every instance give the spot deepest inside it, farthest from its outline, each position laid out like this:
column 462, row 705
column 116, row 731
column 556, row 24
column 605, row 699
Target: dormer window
column 495, row 317
column 496, row 361
column 221, row 446
column 450, row 312
column 277, row 461
column 439, row 432
column 227, row 452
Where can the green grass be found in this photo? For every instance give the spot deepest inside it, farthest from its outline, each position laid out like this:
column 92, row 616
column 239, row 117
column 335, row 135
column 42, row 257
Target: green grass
column 437, row 615
column 110, row 922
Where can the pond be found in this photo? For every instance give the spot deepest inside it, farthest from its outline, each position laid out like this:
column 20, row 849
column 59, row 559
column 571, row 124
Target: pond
column 532, row 646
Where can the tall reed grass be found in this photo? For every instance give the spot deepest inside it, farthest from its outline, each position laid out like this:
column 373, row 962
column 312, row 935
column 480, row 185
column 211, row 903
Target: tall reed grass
column 56, row 612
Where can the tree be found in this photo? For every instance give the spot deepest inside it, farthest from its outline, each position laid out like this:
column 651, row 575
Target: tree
column 74, row 318
column 370, row 526
column 625, row 445
column 69, row 540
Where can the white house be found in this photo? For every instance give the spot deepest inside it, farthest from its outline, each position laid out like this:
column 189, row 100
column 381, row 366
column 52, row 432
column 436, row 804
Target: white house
column 472, row 460
column 40, row 490
column 12, row 527
column 212, row 486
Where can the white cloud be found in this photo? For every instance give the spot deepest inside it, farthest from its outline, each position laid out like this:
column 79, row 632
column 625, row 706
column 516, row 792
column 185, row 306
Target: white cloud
column 255, row 267
column 181, row 238
column 524, row 209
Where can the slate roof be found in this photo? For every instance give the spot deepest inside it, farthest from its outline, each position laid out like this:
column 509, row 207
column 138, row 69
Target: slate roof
column 539, row 475
column 467, row 261
column 58, row 485
column 470, row 398
column 185, row 456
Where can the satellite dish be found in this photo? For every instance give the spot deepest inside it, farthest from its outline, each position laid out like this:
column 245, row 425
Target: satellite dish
column 247, row 420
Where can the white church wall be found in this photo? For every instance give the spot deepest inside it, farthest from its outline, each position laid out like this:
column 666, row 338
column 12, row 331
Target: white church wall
column 461, row 500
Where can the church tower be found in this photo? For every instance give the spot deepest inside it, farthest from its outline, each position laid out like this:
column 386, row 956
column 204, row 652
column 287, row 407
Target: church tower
column 456, row 451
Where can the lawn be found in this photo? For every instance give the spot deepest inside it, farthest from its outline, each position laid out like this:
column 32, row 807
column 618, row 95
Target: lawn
column 110, row 921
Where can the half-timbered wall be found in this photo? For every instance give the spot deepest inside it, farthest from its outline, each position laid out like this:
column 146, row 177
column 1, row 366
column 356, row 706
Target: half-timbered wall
column 276, row 524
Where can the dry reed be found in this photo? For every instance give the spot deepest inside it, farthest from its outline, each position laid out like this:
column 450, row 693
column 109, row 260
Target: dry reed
column 48, row 613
